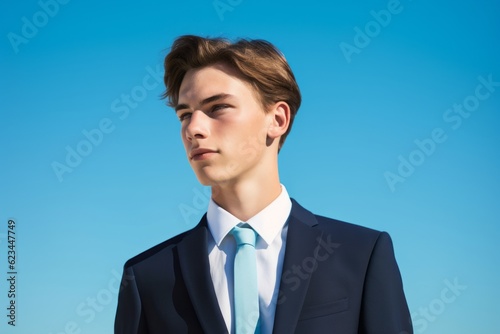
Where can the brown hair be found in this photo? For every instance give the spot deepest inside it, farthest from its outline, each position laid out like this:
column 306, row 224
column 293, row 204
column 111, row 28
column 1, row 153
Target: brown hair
column 258, row 61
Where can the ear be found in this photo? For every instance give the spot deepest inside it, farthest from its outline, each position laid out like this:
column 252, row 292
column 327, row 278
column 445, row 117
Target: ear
column 279, row 114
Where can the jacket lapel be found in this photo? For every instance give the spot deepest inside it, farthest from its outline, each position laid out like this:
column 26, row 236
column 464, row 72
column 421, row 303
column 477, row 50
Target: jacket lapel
column 302, row 239
column 195, row 268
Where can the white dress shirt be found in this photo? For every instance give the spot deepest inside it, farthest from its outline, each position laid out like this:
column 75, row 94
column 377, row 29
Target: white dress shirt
column 270, row 225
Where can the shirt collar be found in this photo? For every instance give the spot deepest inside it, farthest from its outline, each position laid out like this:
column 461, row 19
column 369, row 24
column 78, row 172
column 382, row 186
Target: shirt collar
column 267, row 223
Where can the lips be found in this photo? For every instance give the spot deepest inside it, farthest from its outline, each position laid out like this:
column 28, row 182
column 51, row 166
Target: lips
column 199, row 153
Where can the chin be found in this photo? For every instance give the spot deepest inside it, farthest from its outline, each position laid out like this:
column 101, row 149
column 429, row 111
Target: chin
column 210, row 176
column 205, row 179
column 205, row 182
column 210, row 180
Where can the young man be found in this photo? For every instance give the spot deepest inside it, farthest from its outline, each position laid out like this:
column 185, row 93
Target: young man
column 297, row 272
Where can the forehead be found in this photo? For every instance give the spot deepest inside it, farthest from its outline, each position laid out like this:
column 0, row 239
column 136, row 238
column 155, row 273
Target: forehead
column 204, row 82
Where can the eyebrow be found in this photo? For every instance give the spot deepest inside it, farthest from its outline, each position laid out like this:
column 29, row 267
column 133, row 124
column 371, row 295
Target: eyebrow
column 204, row 102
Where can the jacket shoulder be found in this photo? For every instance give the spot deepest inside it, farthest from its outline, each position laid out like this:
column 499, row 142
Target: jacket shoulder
column 156, row 251
column 346, row 227
column 331, row 225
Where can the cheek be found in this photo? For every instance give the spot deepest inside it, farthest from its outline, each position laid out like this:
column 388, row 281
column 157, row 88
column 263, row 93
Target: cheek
column 250, row 141
column 256, row 132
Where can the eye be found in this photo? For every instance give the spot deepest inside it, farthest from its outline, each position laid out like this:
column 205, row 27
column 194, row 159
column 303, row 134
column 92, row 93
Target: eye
column 218, row 107
column 185, row 115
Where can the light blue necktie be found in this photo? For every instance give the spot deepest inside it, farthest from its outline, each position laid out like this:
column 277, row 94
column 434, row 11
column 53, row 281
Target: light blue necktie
column 246, row 294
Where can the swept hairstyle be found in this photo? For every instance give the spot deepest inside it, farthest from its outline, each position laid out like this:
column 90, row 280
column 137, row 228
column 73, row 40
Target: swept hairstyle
column 259, row 62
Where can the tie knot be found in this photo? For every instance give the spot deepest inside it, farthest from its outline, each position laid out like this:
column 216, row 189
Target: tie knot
column 244, row 235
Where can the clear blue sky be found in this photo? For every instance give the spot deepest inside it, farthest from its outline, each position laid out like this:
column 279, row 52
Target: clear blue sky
column 398, row 131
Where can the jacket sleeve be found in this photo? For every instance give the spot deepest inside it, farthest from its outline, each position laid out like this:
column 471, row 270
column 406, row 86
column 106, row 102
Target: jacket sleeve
column 129, row 314
column 384, row 309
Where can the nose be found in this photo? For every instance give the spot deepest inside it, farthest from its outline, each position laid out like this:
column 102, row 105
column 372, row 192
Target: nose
column 197, row 126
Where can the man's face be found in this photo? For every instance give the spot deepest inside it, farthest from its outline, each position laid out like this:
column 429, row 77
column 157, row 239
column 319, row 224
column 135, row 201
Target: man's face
column 224, row 126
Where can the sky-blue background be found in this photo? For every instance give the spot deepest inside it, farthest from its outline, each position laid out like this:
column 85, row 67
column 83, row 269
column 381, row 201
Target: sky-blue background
column 70, row 72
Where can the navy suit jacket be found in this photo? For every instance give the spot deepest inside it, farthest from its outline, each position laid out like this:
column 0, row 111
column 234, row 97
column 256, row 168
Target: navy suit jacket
column 337, row 278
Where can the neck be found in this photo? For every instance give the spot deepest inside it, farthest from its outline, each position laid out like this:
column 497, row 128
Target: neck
column 245, row 199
